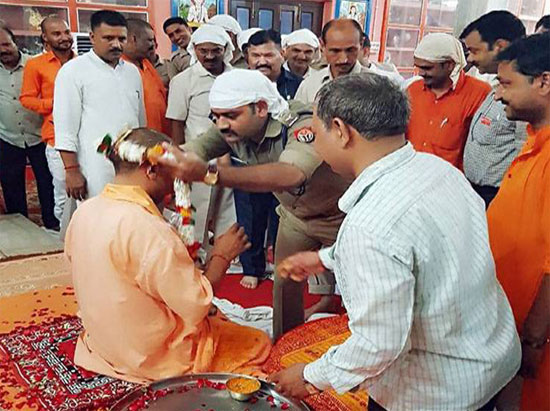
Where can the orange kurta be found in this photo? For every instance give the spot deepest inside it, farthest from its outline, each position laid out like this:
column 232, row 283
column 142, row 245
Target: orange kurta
column 37, row 90
column 440, row 125
column 519, row 232
column 154, row 98
column 143, row 304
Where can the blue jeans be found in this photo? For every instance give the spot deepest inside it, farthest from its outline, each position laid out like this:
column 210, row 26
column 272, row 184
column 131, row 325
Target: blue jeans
column 256, row 213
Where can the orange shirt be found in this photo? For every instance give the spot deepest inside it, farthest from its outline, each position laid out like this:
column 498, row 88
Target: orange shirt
column 154, row 98
column 440, row 125
column 519, row 232
column 37, row 90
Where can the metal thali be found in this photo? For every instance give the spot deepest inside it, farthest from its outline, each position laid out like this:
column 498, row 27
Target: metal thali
column 204, row 392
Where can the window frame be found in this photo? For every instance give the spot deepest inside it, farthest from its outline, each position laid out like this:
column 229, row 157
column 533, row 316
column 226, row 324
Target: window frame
column 74, row 6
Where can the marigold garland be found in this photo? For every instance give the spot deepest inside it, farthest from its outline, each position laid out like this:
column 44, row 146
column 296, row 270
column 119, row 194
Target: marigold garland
column 182, row 191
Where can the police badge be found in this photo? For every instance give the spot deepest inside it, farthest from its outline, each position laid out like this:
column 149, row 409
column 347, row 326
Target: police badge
column 304, row 135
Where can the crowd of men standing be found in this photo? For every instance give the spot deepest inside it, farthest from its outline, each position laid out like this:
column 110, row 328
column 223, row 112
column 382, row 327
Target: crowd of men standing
column 56, row 107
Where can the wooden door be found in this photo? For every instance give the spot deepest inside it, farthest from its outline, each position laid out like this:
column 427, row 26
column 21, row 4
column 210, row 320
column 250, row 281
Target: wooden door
column 283, row 17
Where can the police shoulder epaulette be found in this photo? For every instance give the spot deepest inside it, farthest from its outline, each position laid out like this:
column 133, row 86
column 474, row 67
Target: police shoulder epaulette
column 289, row 117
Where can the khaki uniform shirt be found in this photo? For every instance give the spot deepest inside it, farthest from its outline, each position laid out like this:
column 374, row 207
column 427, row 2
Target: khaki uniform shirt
column 179, row 61
column 318, row 197
column 310, row 86
column 161, row 66
column 188, row 99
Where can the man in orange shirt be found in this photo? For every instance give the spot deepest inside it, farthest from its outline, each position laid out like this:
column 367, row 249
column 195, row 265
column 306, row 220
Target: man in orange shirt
column 519, row 216
column 137, row 50
column 37, row 95
column 445, row 100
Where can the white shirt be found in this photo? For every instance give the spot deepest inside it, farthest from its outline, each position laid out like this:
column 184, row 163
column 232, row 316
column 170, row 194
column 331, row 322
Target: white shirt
column 188, row 99
column 92, row 99
column 431, row 327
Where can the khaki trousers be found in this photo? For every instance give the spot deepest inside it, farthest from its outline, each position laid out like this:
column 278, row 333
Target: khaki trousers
column 295, row 235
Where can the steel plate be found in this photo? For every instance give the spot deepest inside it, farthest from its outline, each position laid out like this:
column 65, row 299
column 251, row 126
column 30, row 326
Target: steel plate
column 185, row 395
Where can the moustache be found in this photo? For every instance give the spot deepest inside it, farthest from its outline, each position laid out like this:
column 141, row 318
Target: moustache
column 228, row 134
column 263, row 66
column 117, row 50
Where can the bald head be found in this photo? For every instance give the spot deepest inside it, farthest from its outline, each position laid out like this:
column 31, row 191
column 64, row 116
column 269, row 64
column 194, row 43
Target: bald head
column 56, row 34
column 138, row 27
column 46, row 22
column 342, row 43
column 141, row 40
column 348, row 26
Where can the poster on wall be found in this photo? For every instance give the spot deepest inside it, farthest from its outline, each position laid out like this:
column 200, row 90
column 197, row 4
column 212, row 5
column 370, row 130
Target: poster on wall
column 356, row 10
column 195, row 12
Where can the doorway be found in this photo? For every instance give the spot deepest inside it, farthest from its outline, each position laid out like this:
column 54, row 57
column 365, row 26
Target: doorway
column 277, row 15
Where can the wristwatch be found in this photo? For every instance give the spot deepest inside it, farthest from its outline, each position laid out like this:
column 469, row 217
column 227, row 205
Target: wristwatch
column 212, row 173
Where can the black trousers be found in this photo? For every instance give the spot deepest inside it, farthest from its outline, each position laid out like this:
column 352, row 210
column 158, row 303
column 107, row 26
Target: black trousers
column 13, row 161
column 487, row 193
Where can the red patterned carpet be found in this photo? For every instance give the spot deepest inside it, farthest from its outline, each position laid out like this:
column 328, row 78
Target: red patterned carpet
column 38, row 333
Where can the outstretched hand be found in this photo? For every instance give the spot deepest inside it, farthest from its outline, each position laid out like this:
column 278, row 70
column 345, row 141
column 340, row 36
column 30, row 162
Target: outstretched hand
column 300, row 266
column 186, row 166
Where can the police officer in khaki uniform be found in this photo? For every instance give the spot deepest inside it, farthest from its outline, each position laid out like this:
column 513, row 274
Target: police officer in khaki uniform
column 274, row 140
column 179, row 33
column 161, row 65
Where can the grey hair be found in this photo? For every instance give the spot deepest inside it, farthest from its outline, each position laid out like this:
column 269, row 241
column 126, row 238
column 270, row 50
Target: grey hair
column 371, row 104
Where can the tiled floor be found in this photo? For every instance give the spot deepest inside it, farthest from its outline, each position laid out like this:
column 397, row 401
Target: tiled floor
column 32, row 200
column 20, row 237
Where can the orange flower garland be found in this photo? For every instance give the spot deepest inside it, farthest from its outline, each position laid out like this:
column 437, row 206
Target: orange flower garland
column 186, row 223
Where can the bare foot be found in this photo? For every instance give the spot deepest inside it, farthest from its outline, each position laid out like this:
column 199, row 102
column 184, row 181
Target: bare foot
column 324, row 305
column 249, row 282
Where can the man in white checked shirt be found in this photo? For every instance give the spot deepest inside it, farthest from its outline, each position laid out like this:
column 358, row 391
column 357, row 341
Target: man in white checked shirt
column 431, row 328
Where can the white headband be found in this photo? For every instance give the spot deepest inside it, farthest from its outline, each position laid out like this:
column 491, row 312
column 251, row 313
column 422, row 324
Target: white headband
column 226, row 22
column 302, row 36
column 244, row 36
column 440, row 47
column 211, row 34
column 239, row 87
